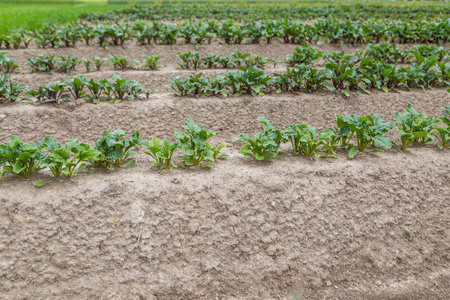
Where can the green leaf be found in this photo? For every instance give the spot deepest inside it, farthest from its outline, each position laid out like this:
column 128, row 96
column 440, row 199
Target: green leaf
column 209, row 164
column 129, row 163
column 328, row 86
column 17, row 168
column 41, row 183
column 352, row 153
column 346, row 92
column 81, row 167
column 385, row 89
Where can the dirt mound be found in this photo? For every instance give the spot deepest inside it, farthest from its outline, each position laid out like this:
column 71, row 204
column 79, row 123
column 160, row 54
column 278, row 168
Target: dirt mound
column 244, row 230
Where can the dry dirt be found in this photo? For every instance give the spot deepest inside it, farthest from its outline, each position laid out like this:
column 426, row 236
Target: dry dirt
column 322, row 229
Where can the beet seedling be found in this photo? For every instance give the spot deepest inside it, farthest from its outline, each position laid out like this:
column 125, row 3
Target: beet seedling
column 152, row 62
column 194, row 85
column 42, row 63
column 217, row 151
column 441, row 133
column 303, row 55
column 52, row 92
column 87, row 64
column 10, row 90
column 59, row 160
column 76, row 86
column 119, row 63
column 191, row 60
column 306, row 140
column 7, row 65
column 121, row 88
column 162, row 152
column 96, row 89
column 265, row 145
column 368, row 130
column 20, row 158
column 414, row 127
column 115, row 149
column 195, row 145
column 99, row 62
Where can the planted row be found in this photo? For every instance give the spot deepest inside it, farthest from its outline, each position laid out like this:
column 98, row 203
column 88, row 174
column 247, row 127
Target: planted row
column 351, row 132
column 230, row 32
column 341, row 72
column 387, row 53
column 112, row 150
column 116, row 90
column 249, row 11
column 69, row 64
column 192, row 60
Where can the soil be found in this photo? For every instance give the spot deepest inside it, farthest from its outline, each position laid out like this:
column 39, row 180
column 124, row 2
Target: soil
column 372, row 227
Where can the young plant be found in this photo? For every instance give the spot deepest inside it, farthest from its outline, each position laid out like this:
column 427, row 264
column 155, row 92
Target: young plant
column 342, row 73
column 98, row 62
column 217, row 151
column 152, row 62
column 265, row 145
column 369, row 131
column 115, row 149
column 441, row 133
column 211, row 61
column 96, row 89
column 20, row 158
column 303, row 55
column 306, row 140
column 7, row 65
column 10, row 90
column 195, row 145
column 414, row 127
column 42, row 63
column 249, row 81
column 194, row 85
column 162, row 152
column 87, row 64
column 76, row 86
column 68, row 160
column 52, row 92
column 119, row 63
column 389, row 53
column 191, row 60
column 69, row 36
column 121, row 88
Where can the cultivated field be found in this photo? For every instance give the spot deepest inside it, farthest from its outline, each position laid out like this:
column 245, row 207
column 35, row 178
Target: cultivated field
column 320, row 169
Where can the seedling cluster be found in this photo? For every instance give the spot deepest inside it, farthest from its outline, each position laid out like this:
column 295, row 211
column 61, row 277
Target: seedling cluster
column 114, row 149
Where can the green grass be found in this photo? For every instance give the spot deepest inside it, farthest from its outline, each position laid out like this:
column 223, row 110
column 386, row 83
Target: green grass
column 32, row 15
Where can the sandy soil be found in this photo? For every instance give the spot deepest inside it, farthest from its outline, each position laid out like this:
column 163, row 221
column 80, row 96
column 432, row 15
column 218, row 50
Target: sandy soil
column 323, row 229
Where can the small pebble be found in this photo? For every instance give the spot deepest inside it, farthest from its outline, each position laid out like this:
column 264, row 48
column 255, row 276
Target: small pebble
column 399, row 257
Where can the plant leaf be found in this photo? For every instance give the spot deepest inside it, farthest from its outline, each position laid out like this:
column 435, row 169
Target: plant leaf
column 129, row 163
column 41, row 183
column 352, row 153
